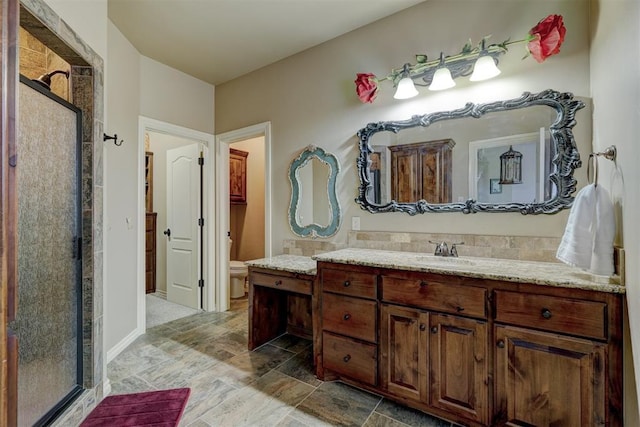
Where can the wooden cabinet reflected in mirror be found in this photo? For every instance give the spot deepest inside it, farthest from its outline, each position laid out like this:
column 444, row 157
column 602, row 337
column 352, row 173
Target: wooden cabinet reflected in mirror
column 422, row 171
column 237, row 176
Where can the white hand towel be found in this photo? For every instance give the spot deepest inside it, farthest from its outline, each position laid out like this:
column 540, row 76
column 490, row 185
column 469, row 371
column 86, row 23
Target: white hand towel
column 587, row 242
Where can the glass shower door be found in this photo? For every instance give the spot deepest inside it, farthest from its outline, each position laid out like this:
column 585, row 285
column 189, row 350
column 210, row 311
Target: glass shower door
column 48, row 316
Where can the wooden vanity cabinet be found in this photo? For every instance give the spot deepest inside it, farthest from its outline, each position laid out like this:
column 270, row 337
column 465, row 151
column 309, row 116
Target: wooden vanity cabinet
column 279, row 302
column 558, row 359
column 438, row 359
column 475, row 351
column 349, row 325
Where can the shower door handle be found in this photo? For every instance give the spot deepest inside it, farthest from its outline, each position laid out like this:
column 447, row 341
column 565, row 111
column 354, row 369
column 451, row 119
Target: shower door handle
column 167, row 232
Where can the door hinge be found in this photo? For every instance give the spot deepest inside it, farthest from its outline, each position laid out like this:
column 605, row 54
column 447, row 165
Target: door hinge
column 201, row 161
column 201, row 222
column 201, row 283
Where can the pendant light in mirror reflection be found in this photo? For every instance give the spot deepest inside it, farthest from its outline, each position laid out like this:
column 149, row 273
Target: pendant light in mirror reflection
column 511, row 167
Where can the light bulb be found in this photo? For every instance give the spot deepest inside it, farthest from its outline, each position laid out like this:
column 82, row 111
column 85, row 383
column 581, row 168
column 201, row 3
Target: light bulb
column 484, row 69
column 406, row 89
column 442, row 79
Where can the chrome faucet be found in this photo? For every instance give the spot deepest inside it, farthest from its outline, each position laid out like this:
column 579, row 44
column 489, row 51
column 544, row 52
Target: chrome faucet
column 443, row 250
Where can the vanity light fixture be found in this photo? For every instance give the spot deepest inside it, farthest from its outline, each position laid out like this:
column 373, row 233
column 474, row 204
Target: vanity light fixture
column 479, row 62
column 441, row 77
column 406, row 89
column 511, row 167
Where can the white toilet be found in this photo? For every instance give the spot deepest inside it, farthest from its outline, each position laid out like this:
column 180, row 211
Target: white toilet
column 238, row 273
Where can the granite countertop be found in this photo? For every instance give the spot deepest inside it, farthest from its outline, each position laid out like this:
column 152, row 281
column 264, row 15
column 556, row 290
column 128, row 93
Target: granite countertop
column 291, row 263
column 541, row 273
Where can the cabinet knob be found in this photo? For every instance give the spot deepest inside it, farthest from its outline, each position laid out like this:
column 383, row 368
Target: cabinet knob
column 423, row 326
column 347, row 316
column 434, row 330
column 546, row 313
column 347, row 283
column 278, row 282
column 500, row 344
column 423, row 283
column 346, row 358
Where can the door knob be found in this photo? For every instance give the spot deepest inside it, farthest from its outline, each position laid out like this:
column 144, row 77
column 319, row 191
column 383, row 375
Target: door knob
column 167, row 232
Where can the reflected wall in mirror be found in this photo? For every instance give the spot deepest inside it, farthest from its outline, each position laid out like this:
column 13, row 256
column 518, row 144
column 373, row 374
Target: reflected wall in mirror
column 314, row 210
column 449, row 159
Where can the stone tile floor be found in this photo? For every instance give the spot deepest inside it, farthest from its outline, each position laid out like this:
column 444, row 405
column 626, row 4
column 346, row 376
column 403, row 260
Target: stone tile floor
column 273, row 385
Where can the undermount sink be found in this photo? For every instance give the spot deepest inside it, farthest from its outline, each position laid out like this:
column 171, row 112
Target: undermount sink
column 445, row 261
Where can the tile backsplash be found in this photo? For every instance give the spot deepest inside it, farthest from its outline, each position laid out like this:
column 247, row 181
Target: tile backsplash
column 478, row 245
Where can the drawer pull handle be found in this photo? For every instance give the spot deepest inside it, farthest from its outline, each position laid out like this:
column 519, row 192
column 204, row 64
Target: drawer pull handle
column 347, row 316
column 347, row 283
column 459, row 309
column 501, row 344
column 423, row 327
column 546, row 313
column 346, row 358
column 278, row 282
column 434, row 330
column 423, row 283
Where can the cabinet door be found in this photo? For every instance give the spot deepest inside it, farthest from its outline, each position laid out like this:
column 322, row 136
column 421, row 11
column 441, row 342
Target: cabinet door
column 403, row 361
column 238, row 176
column 458, row 366
column 405, row 175
column 544, row 379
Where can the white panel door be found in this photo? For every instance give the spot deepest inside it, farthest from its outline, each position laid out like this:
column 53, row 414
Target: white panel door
column 183, row 189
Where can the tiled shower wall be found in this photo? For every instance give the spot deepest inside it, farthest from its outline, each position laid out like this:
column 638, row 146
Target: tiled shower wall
column 476, row 245
column 86, row 92
column 36, row 59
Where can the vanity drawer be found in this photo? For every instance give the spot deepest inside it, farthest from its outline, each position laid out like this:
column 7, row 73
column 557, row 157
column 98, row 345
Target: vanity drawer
column 434, row 294
column 349, row 283
column 290, row 284
column 555, row 314
column 349, row 316
column 350, row 358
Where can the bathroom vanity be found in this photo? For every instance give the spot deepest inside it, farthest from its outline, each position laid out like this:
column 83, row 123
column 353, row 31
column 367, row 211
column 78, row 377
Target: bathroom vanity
column 473, row 340
column 282, row 295
column 478, row 341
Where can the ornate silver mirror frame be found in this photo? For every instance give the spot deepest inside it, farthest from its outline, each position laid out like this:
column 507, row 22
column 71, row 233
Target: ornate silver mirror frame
column 563, row 163
column 314, row 230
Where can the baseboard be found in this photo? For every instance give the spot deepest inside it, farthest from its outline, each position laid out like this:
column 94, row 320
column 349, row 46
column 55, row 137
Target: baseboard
column 161, row 294
column 106, row 387
column 126, row 341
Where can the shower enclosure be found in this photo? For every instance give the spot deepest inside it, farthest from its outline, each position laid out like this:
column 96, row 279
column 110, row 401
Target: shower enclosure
column 49, row 316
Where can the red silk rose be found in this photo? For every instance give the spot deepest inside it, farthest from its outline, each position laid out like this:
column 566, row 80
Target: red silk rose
column 548, row 35
column 366, row 87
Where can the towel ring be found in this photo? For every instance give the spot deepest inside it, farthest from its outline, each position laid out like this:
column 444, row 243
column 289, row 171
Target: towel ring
column 593, row 159
column 610, row 153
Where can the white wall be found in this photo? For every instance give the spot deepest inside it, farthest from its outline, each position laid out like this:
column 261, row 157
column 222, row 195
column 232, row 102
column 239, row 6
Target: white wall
column 87, row 18
column 310, row 99
column 171, row 96
column 121, row 165
column 137, row 86
column 615, row 67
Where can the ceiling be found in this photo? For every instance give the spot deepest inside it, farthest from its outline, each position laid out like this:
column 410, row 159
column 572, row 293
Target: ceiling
column 219, row 40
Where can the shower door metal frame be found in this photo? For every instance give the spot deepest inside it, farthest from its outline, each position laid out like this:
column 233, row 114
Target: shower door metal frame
column 54, row 412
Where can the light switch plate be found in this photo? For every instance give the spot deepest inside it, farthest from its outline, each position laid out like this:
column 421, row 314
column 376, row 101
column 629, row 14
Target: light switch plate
column 355, row 223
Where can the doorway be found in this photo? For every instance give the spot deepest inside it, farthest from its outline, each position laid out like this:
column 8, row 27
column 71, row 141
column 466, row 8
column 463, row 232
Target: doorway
column 238, row 138
column 175, row 152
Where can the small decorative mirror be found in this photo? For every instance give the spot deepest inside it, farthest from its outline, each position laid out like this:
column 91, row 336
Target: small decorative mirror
column 515, row 155
column 314, row 210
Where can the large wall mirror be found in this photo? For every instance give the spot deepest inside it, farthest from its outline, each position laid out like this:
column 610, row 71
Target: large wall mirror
column 314, row 210
column 516, row 155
